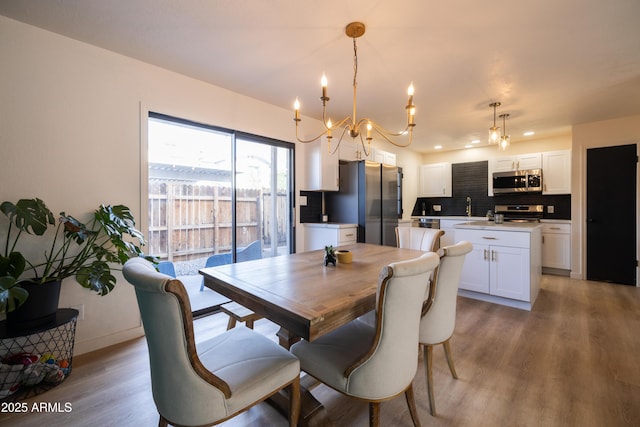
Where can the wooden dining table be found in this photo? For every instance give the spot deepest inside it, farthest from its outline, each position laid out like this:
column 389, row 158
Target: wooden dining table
column 302, row 295
column 306, row 298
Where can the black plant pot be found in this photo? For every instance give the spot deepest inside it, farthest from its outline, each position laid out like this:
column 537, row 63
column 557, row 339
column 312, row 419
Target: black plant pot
column 39, row 309
column 329, row 259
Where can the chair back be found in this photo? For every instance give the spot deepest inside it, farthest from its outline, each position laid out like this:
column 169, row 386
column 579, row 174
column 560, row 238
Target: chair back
column 438, row 323
column 178, row 390
column 167, row 267
column 250, row 252
column 391, row 364
column 423, row 239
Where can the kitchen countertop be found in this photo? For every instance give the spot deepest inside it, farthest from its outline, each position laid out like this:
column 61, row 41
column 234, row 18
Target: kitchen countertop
column 329, row 225
column 506, row 226
column 462, row 217
column 482, row 218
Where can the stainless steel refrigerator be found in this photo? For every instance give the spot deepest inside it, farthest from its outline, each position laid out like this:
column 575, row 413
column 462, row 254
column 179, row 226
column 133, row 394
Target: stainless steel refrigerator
column 369, row 196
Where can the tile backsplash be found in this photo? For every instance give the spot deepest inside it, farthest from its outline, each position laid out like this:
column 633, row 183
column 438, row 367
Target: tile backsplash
column 313, row 211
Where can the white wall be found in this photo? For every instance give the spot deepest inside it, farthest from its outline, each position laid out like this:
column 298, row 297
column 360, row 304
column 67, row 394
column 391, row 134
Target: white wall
column 607, row 133
column 71, row 134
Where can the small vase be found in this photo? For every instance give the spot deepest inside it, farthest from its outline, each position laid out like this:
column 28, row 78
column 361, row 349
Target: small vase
column 39, row 309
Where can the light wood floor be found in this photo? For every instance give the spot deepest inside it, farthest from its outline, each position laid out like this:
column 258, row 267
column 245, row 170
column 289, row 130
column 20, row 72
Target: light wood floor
column 572, row 361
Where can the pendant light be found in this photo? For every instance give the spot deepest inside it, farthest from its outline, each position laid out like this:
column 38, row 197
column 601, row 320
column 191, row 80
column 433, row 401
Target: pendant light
column 505, row 139
column 494, row 131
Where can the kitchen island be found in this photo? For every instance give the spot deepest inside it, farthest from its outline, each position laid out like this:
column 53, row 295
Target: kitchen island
column 505, row 266
column 321, row 234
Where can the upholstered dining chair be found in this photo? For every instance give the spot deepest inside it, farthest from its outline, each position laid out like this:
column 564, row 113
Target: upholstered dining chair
column 376, row 363
column 438, row 323
column 424, row 239
column 206, row 383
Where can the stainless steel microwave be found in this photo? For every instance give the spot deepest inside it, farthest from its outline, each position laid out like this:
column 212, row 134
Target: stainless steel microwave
column 522, row 181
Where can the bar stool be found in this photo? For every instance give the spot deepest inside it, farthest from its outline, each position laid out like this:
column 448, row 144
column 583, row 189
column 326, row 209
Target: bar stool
column 239, row 313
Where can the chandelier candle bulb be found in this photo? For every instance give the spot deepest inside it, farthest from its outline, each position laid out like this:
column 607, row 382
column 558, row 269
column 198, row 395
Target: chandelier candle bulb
column 323, row 82
column 296, row 107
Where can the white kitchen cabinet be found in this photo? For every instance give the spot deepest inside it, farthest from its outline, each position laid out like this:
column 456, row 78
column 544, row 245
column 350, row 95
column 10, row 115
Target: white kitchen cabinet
column 556, row 246
column 384, row 157
column 475, row 272
column 352, row 150
column 317, row 236
column 322, row 167
column 435, row 180
column 520, row 162
column 504, row 265
column 556, row 172
column 509, row 272
column 497, row 270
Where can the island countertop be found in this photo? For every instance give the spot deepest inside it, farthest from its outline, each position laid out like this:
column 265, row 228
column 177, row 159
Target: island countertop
column 329, row 225
column 506, row 226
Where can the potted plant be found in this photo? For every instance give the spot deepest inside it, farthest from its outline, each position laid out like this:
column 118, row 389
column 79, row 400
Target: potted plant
column 329, row 256
column 84, row 251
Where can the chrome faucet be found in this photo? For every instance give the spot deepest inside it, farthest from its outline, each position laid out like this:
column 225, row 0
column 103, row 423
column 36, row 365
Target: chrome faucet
column 468, row 210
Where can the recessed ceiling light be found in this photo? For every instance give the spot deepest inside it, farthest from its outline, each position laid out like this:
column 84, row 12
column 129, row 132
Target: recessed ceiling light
column 468, row 146
column 438, row 147
column 475, row 141
column 529, row 133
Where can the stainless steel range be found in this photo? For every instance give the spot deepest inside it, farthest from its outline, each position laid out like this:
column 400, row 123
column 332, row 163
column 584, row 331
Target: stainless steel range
column 520, row 213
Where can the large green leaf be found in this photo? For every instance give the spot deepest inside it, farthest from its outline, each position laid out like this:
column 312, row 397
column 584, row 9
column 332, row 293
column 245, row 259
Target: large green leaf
column 97, row 277
column 12, row 296
column 13, row 265
column 30, row 215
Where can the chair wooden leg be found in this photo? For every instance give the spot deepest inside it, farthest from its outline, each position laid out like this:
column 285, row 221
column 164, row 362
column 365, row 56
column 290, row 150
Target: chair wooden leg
column 447, row 353
column 374, row 414
column 411, row 402
column 294, row 402
column 163, row 422
column 428, row 359
column 231, row 324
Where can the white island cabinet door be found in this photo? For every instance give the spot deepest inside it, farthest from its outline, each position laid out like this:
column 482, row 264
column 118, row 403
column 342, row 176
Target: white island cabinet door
column 475, row 272
column 509, row 272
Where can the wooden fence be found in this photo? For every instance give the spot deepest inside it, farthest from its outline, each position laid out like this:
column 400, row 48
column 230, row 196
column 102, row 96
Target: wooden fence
column 189, row 221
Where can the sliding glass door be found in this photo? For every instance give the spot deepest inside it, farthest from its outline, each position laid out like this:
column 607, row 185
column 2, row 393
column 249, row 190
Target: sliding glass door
column 215, row 197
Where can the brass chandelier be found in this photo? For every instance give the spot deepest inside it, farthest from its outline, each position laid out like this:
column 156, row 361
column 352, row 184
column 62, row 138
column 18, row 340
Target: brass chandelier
column 351, row 124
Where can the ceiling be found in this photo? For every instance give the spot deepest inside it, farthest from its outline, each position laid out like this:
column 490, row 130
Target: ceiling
column 551, row 64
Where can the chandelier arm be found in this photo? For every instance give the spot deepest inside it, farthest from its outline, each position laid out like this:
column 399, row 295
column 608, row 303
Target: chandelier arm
column 306, row 141
column 341, row 124
column 383, row 131
column 364, row 148
column 392, row 142
column 344, row 130
column 344, row 122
